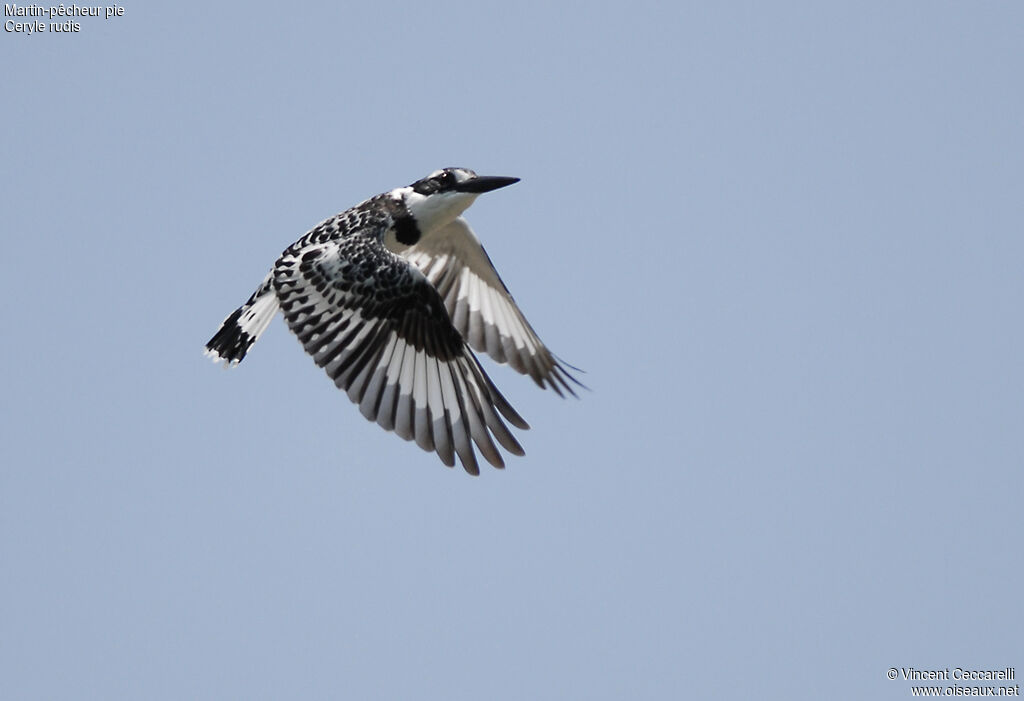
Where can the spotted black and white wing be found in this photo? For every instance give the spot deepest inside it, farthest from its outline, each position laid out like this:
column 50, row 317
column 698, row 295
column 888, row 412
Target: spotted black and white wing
column 480, row 306
column 381, row 332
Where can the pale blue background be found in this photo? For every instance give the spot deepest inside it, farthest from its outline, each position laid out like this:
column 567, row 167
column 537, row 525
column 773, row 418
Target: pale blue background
column 784, row 240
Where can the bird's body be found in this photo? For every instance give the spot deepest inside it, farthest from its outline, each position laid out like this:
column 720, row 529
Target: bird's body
column 385, row 297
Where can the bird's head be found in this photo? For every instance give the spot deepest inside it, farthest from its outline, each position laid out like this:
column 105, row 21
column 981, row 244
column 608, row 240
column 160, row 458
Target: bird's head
column 439, row 198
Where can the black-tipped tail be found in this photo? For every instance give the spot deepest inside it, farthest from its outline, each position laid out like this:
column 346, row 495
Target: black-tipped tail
column 243, row 326
column 231, row 342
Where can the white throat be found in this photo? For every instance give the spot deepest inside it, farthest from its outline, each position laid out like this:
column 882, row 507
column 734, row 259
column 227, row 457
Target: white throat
column 434, row 211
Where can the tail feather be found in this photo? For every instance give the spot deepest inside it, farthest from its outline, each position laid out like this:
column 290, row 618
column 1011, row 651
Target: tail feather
column 244, row 325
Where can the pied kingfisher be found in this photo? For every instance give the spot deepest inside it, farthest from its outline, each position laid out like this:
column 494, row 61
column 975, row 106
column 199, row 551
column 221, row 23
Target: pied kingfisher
column 389, row 297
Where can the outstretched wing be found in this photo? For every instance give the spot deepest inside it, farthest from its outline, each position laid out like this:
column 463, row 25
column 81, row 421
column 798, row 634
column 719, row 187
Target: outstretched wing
column 380, row 331
column 480, row 305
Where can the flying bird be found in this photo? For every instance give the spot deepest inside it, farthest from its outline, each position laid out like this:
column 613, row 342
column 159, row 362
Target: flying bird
column 390, row 298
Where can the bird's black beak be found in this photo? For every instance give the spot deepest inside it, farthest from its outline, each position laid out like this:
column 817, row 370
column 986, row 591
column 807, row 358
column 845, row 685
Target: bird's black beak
column 484, row 183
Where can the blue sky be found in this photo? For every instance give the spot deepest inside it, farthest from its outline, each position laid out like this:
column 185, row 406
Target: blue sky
column 784, row 242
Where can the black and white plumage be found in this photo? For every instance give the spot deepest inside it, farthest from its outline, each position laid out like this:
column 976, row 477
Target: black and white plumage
column 389, row 297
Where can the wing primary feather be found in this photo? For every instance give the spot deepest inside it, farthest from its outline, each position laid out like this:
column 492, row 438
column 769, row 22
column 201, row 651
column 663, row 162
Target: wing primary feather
column 477, row 424
column 553, row 384
column 389, row 398
column 404, row 416
column 496, row 425
column 370, row 404
column 421, row 419
column 439, row 418
column 404, row 407
column 490, row 318
column 560, row 375
column 370, row 369
column 476, row 322
column 460, row 436
column 460, row 314
column 362, row 363
column 499, row 401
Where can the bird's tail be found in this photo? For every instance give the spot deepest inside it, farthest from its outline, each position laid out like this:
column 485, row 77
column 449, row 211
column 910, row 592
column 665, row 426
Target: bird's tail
column 244, row 325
